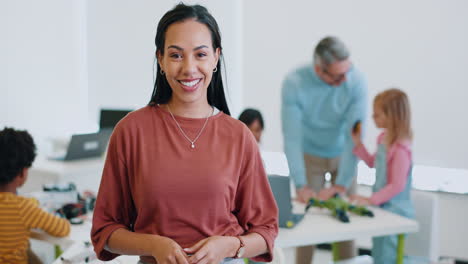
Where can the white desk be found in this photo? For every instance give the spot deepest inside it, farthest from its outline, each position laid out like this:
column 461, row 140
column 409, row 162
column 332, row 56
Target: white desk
column 318, row 226
column 85, row 173
column 75, row 243
column 78, row 233
column 80, row 166
column 76, row 247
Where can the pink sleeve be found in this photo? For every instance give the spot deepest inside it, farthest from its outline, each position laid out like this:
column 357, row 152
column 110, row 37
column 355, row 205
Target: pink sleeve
column 363, row 154
column 398, row 168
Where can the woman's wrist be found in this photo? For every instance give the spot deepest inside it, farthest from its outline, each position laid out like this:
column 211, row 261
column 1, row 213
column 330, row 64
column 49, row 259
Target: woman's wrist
column 235, row 245
column 155, row 243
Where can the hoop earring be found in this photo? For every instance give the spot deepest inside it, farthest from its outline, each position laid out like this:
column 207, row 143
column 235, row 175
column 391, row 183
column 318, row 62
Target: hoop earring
column 161, row 72
column 215, row 69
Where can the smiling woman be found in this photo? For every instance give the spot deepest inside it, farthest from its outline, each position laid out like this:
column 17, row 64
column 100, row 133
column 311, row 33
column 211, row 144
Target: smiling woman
column 189, row 53
column 178, row 184
column 188, row 61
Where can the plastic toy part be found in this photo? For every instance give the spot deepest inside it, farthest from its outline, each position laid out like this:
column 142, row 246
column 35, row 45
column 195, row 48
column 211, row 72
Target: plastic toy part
column 339, row 208
column 357, row 127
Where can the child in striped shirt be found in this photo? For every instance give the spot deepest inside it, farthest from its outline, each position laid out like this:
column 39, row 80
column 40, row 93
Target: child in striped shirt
column 19, row 214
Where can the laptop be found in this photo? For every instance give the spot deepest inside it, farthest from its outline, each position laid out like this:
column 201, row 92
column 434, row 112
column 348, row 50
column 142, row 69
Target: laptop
column 280, row 187
column 110, row 117
column 84, row 146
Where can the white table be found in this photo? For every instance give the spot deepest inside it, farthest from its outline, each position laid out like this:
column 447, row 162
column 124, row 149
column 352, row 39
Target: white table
column 74, row 243
column 78, row 233
column 77, row 247
column 319, row 226
column 85, row 173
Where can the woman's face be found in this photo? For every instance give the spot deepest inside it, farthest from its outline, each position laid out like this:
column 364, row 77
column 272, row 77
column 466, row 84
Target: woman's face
column 256, row 129
column 188, row 61
column 380, row 118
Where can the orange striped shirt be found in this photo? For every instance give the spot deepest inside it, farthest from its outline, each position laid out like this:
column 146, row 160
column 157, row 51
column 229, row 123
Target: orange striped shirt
column 17, row 216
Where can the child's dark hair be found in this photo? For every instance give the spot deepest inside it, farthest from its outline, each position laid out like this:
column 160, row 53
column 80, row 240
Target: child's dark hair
column 17, row 151
column 249, row 115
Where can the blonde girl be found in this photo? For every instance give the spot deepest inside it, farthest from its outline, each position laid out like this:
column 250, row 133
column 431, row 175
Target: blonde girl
column 393, row 164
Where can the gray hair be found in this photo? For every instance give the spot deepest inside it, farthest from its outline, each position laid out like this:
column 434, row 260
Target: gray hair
column 330, row 50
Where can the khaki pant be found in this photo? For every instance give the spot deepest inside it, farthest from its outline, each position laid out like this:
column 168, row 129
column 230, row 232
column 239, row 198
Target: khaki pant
column 316, row 168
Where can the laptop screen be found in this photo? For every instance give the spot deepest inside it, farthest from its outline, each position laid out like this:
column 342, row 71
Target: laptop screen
column 281, row 190
column 110, row 117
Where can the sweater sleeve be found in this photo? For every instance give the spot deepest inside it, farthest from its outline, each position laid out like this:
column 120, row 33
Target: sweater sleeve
column 291, row 121
column 347, row 167
column 114, row 205
column 398, row 167
column 255, row 204
column 362, row 153
column 34, row 217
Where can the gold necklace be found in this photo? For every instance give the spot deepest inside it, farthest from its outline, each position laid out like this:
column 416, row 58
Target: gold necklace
column 182, row 131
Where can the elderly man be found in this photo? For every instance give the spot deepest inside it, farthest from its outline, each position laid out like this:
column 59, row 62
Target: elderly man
column 320, row 105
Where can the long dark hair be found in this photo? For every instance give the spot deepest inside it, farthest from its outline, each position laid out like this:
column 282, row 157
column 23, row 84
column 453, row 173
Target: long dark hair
column 162, row 92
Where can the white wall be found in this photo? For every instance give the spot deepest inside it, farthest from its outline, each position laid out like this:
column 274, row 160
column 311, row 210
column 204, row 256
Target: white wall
column 419, row 46
column 63, row 60
column 121, row 50
column 42, row 70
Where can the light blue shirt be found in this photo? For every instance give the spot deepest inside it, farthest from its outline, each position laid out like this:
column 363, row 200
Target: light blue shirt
column 317, row 119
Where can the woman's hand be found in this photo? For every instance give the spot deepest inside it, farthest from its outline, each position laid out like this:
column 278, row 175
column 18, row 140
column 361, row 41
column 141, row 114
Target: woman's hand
column 360, row 200
column 167, row 251
column 213, row 250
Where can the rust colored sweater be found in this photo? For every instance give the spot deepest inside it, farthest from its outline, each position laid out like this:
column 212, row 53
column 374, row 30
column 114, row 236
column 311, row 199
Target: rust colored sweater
column 154, row 183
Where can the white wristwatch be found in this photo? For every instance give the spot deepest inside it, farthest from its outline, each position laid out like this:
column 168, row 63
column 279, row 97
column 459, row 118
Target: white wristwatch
column 241, row 250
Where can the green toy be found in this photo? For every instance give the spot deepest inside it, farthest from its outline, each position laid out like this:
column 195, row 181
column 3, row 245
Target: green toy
column 338, row 207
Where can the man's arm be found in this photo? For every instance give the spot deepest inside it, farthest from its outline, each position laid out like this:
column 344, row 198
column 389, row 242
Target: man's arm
column 291, row 116
column 347, row 167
